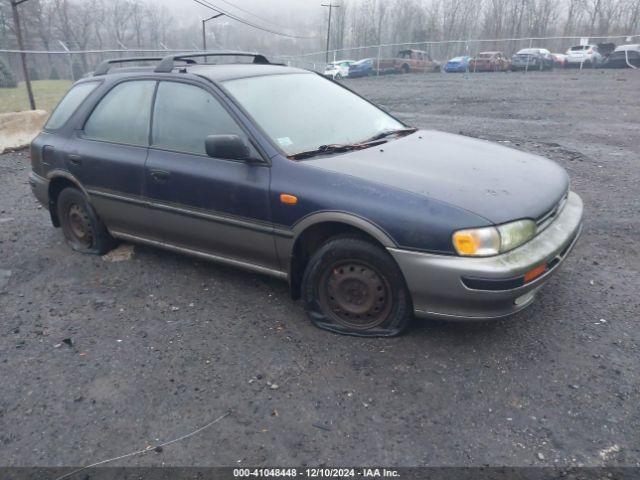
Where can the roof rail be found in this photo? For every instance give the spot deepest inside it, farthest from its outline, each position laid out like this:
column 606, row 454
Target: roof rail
column 104, row 67
column 167, row 63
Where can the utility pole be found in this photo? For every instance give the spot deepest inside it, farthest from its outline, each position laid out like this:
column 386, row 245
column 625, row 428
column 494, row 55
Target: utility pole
column 331, row 7
column 23, row 56
column 204, row 32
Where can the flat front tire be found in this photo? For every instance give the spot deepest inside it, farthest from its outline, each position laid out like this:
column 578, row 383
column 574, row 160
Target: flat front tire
column 354, row 287
column 82, row 229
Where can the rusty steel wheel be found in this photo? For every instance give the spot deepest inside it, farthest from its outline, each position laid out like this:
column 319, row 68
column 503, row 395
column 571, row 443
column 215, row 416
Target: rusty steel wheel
column 80, row 226
column 354, row 287
column 356, row 294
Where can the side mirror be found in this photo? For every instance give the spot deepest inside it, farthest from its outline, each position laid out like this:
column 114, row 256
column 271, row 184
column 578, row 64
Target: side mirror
column 229, row 147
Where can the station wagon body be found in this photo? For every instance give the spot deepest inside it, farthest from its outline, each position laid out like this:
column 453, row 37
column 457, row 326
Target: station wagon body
column 131, row 142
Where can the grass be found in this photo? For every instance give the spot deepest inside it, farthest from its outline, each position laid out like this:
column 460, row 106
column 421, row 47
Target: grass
column 47, row 93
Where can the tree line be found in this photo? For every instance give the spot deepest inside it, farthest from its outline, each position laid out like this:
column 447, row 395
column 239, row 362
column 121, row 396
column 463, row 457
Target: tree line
column 372, row 22
column 136, row 24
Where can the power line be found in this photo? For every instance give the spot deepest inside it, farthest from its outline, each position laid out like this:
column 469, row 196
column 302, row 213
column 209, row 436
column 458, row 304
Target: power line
column 252, row 14
column 206, row 3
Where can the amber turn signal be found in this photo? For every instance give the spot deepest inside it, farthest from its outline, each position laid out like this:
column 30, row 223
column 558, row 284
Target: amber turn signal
column 288, row 199
column 535, row 273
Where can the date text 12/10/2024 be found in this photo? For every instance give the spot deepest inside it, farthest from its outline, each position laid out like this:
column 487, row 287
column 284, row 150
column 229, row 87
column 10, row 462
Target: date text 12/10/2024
column 315, row 472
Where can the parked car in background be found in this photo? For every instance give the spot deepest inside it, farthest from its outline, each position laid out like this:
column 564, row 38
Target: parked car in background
column 369, row 220
column 338, row 70
column 457, row 64
column 361, row 68
column 409, row 61
column 606, row 49
column 584, row 55
column 559, row 60
column 489, row 62
column 624, row 56
column 532, row 59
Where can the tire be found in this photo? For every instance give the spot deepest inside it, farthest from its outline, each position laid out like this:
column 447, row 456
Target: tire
column 338, row 77
column 82, row 229
column 353, row 287
column 405, row 69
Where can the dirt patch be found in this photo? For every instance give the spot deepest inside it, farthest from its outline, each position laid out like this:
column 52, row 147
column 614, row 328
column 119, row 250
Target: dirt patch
column 19, row 128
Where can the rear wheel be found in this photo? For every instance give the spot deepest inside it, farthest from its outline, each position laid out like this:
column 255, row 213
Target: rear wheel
column 82, row 229
column 354, row 287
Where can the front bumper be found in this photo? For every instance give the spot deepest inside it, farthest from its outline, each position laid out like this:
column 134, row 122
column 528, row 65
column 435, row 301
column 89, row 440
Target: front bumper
column 437, row 288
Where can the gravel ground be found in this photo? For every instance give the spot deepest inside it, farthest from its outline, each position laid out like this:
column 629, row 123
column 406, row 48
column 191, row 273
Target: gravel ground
column 162, row 344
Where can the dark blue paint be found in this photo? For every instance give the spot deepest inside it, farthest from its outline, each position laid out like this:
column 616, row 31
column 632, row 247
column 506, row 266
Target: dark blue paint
column 410, row 216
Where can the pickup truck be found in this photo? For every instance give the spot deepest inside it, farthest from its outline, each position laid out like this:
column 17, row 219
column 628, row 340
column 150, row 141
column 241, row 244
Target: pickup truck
column 409, row 61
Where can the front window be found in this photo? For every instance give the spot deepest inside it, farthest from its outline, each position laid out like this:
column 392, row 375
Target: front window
column 184, row 115
column 303, row 111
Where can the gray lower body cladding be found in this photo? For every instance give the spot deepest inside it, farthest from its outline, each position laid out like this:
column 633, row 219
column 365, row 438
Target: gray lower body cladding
column 436, row 281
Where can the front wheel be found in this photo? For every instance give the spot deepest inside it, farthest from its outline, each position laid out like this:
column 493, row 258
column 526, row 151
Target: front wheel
column 82, row 229
column 354, row 287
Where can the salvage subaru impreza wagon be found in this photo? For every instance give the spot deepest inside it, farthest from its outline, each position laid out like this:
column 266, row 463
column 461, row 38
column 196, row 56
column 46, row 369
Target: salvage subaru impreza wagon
column 370, row 221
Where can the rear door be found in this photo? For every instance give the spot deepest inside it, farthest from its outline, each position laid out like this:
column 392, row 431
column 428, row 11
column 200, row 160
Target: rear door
column 108, row 154
column 211, row 205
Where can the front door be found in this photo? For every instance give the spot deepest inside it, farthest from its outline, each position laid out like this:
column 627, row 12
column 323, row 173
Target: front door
column 209, row 205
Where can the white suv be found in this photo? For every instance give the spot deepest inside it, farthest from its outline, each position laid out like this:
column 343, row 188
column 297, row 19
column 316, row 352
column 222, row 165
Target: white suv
column 585, row 55
column 338, row 70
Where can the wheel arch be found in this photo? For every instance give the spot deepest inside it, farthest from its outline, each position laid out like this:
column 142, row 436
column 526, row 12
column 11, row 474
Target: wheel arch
column 313, row 231
column 58, row 181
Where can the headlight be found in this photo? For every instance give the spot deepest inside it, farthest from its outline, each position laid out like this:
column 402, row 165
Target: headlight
column 477, row 241
column 514, row 234
column 482, row 242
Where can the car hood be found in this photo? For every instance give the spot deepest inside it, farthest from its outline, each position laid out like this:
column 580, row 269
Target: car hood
column 498, row 183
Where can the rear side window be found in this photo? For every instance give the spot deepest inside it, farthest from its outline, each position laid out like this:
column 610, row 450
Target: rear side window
column 69, row 104
column 123, row 115
column 184, row 115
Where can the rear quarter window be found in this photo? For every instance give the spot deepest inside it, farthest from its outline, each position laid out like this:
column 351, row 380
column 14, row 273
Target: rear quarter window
column 69, row 104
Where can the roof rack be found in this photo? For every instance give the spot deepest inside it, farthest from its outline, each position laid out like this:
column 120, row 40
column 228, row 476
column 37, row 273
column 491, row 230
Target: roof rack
column 104, row 67
column 167, row 63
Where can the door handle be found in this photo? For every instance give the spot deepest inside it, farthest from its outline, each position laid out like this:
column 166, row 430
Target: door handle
column 160, row 176
column 75, row 159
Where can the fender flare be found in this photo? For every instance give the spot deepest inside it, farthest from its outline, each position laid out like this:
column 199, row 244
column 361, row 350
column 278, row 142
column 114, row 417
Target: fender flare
column 51, row 177
column 53, row 174
column 350, row 219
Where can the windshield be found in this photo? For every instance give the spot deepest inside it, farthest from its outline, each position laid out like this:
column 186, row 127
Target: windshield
column 303, row 111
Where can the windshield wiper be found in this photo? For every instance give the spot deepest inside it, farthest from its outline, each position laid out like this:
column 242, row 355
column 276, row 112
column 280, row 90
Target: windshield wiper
column 377, row 139
column 338, row 148
column 388, row 133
